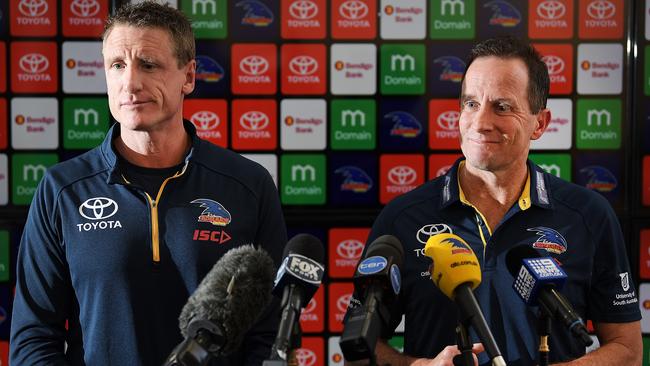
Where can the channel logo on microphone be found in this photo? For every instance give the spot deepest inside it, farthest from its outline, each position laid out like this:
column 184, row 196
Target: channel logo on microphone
column 305, row 269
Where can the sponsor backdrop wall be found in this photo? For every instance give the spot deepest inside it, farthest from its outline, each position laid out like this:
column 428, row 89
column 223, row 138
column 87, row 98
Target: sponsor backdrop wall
column 348, row 103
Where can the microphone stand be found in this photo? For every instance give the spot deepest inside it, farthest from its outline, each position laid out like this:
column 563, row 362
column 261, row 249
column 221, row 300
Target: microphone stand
column 544, row 331
column 464, row 343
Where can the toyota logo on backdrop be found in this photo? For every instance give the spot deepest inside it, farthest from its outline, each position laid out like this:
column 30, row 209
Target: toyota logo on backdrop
column 601, row 9
column 303, row 9
column 551, row 9
column 305, row 357
column 430, row 230
column 34, row 63
column 350, row 249
column 343, row 302
column 311, row 306
column 205, row 120
column 33, row 8
column 98, row 208
column 402, row 175
column 353, row 10
column 303, row 65
column 254, row 65
column 554, row 64
column 84, row 8
column 254, row 120
column 448, row 120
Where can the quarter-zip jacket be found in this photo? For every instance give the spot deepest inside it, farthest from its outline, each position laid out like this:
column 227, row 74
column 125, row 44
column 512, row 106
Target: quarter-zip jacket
column 118, row 265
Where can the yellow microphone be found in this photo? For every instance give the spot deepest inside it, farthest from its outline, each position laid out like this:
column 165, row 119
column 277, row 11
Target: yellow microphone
column 456, row 272
column 454, row 263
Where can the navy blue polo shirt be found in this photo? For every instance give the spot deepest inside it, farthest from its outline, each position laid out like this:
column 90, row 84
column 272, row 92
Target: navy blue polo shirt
column 560, row 219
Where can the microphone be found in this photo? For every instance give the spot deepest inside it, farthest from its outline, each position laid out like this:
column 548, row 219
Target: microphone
column 297, row 281
column 378, row 280
column 537, row 281
column 224, row 306
column 456, row 272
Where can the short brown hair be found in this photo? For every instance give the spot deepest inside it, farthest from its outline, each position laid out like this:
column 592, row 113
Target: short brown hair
column 511, row 47
column 150, row 14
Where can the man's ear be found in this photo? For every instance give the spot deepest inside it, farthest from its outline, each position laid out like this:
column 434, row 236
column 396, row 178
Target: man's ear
column 542, row 120
column 190, row 77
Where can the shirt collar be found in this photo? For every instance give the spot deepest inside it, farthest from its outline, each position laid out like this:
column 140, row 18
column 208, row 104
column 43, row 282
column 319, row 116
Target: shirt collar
column 536, row 190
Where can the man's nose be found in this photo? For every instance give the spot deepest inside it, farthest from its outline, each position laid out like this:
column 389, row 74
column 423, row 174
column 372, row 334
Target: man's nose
column 132, row 79
column 483, row 119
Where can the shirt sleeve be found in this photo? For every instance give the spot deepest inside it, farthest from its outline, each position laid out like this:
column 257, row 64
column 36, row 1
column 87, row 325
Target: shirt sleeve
column 613, row 296
column 43, row 288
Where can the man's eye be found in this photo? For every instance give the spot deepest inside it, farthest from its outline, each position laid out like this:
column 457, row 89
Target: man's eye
column 503, row 107
column 117, row 66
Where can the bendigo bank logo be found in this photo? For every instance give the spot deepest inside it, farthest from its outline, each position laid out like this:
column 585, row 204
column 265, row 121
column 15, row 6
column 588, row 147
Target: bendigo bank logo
column 355, row 179
column 504, row 14
column 98, row 210
column 208, row 70
column 257, row 14
column 215, row 214
column 405, row 124
column 452, row 68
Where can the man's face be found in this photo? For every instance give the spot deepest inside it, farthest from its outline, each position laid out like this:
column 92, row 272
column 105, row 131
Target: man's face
column 145, row 85
column 496, row 124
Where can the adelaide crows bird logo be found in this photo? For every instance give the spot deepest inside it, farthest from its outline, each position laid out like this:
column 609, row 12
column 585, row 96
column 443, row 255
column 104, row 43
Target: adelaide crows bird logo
column 549, row 240
column 214, row 212
column 457, row 246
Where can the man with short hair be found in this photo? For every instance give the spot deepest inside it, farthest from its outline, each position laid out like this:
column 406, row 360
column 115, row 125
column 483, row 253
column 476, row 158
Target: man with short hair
column 496, row 199
column 118, row 238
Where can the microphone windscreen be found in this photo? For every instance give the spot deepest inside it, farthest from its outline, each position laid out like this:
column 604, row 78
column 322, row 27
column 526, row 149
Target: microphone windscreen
column 454, row 263
column 306, row 245
column 516, row 255
column 387, row 246
column 233, row 294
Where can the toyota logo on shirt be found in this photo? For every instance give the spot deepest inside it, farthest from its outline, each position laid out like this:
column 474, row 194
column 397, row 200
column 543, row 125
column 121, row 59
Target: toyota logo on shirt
column 254, row 65
column 34, row 63
column 303, row 65
column 98, row 208
column 350, row 249
column 430, row 230
column 353, row 10
column 84, row 8
column 551, row 10
column 254, row 120
column 33, row 8
column 303, row 9
column 205, row 120
column 402, row 175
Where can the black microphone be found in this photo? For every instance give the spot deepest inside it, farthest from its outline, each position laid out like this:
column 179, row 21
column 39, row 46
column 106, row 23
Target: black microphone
column 536, row 280
column 224, row 306
column 297, row 281
column 378, row 280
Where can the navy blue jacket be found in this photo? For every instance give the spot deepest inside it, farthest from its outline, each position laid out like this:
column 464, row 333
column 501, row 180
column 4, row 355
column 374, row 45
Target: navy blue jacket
column 118, row 265
column 560, row 219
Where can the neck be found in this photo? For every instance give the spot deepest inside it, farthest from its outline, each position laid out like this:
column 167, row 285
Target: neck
column 504, row 187
column 154, row 149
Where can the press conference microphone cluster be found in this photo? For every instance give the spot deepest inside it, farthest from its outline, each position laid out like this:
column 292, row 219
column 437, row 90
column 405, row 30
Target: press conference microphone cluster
column 537, row 281
column 296, row 282
column 378, row 281
column 456, row 272
column 224, row 306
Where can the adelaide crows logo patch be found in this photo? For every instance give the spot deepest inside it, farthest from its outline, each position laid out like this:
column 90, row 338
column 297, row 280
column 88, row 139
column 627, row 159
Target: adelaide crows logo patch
column 214, row 212
column 549, row 240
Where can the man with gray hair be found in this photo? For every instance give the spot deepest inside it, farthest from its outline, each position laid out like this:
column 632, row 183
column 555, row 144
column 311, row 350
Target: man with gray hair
column 118, row 238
